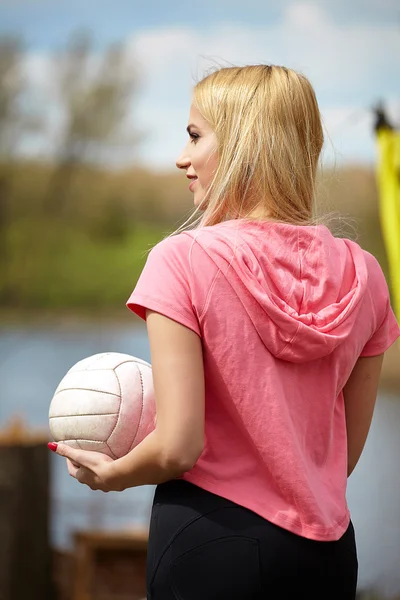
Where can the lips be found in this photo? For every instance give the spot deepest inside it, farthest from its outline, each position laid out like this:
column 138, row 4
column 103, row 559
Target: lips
column 193, row 179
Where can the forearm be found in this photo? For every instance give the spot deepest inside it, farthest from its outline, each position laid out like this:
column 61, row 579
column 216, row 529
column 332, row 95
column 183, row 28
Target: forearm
column 147, row 464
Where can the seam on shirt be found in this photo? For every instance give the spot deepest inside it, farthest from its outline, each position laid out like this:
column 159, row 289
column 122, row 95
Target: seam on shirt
column 220, row 271
column 209, row 294
column 254, row 325
column 207, row 300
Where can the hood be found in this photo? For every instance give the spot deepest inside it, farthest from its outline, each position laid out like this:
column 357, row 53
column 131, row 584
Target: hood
column 300, row 286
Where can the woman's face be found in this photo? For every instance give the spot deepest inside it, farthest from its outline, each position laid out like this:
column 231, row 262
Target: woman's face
column 199, row 157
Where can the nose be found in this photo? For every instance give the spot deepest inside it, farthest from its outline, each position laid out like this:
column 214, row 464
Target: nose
column 183, row 161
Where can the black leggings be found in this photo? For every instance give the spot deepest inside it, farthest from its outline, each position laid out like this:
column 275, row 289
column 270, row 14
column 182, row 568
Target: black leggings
column 203, row 547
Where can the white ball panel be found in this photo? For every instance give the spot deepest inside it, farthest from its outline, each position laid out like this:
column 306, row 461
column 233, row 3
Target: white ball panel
column 104, row 360
column 82, row 410
column 131, row 409
column 83, row 402
column 90, row 445
column 89, row 427
column 104, row 380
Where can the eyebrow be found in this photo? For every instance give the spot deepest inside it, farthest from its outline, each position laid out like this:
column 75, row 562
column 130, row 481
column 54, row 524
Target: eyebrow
column 191, row 125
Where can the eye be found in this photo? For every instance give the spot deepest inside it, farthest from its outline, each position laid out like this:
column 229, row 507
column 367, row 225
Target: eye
column 193, row 137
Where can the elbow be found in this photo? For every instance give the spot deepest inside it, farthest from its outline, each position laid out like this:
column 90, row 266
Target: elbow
column 179, row 461
column 352, row 460
column 353, row 456
column 350, row 468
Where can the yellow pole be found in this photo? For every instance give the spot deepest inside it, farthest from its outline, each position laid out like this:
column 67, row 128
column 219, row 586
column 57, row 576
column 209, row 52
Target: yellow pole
column 388, row 176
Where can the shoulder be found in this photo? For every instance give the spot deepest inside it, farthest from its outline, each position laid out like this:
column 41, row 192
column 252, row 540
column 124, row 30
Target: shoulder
column 194, row 242
column 214, row 237
column 175, row 248
column 174, row 243
column 375, row 272
column 378, row 287
column 185, row 253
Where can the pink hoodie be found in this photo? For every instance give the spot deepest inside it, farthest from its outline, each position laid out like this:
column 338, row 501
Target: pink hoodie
column 284, row 312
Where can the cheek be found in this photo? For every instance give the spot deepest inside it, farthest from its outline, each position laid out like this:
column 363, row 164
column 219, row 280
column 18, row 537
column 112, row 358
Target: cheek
column 205, row 168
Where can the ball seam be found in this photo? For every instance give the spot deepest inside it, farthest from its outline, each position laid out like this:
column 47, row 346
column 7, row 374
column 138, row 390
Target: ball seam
column 84, row 390
column 119, row 409
column 84, row 415
column 141, row 411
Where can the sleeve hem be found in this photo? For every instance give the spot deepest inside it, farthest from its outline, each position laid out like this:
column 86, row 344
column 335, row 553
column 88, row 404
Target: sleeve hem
column 139, row 304
column 377, row 349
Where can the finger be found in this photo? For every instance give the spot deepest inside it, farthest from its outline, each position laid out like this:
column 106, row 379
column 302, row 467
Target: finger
column 84, row 476
column 87, row 477
column 64, row 450
column 72, row 468
column 91, row 486
column 99, row 488
column 84, row 458
column 73, row 463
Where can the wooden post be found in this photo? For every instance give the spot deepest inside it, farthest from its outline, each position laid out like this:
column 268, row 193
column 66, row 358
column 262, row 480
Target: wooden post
column 110, row 565
column 25, row 554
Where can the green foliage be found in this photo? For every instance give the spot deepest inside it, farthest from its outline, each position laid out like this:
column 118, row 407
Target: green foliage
column 91, row 255
column 74, row 234
column 56, row 266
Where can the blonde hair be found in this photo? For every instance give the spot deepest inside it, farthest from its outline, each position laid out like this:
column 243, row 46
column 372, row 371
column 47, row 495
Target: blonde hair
column 268, row 126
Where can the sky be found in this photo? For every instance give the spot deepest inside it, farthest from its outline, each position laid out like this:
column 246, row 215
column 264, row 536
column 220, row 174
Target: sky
column 349, row 50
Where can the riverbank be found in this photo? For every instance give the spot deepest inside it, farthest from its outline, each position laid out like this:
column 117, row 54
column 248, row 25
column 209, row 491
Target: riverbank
column 98, row 318
column 63, row 318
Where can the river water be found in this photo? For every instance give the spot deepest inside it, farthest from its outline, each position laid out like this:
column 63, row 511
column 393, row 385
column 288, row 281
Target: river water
column 32, row 362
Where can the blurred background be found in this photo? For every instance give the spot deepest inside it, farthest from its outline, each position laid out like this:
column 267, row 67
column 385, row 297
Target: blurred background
column 94, row 100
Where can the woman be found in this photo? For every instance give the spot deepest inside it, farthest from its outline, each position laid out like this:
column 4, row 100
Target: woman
column 267, row 336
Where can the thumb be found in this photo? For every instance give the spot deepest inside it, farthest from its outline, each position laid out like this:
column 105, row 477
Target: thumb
column 67, row 452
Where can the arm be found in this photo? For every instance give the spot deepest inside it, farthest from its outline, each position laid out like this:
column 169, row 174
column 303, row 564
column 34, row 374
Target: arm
column 360, row 394
column 178, row 439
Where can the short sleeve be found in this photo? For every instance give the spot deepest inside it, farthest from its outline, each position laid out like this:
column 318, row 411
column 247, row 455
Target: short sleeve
column 165, row 284
column 384, row 336
column 387, row 329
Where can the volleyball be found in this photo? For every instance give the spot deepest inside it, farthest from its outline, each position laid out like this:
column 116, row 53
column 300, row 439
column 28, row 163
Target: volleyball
column 104, row 403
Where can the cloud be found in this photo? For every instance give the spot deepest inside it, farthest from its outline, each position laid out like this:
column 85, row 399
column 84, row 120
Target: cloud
column 341, row 61
column 351, row 67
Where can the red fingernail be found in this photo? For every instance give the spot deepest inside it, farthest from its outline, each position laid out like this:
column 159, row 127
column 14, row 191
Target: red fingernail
column 52, row 446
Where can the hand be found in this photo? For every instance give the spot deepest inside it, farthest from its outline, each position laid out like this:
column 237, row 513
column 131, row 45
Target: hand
column 87, row 467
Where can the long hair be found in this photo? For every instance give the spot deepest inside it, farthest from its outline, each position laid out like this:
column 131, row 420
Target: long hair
column 268, row 126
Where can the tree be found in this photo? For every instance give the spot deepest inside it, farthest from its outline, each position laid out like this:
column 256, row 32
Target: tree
column 96, row 93
column 11, row 88
column 13, row 120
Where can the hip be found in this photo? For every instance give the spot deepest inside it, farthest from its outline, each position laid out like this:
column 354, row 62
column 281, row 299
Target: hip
column 203, row 544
